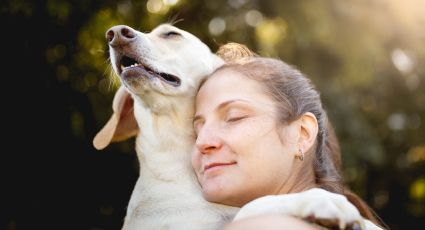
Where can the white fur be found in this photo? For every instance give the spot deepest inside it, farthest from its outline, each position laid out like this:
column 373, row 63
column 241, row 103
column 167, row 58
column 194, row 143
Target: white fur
column 167, row 194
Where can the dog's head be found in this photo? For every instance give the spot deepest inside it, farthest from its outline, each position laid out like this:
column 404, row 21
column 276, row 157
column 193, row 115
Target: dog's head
column 160, row 68
column 167, row 61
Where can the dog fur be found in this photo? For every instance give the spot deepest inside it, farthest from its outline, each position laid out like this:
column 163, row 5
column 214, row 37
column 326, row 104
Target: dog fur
column 156, row 104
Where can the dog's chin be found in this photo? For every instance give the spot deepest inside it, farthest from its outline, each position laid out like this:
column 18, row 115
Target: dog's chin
column 140, row 74
column 136, row 74
column 139, row 80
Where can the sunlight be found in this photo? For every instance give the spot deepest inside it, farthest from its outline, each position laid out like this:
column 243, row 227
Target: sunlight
column 217, row 26
column 270, row 32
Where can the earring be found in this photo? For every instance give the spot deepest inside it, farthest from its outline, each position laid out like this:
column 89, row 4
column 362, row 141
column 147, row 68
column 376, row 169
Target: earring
column 300, row 155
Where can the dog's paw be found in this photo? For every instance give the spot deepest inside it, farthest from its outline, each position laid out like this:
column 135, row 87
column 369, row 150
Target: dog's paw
column 316, row 205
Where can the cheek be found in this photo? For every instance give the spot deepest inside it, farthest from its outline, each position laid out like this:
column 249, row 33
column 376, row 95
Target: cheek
column 196, row 161
column 266, row 155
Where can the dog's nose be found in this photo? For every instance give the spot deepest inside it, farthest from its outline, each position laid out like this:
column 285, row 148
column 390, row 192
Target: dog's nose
column 120, row 35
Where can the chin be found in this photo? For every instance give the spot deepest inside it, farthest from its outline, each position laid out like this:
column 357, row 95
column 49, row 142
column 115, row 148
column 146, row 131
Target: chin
column 214, row 193
column 223, row 190
column 222, row 197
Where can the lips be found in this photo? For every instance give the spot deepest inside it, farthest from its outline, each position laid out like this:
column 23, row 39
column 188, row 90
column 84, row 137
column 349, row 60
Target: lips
column 128, row 65
column 217, row 164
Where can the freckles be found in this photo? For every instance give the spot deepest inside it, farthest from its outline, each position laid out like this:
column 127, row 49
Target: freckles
column 255, row 129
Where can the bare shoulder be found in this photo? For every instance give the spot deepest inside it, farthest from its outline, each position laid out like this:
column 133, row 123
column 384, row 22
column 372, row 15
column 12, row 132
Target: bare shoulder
column 270, row 222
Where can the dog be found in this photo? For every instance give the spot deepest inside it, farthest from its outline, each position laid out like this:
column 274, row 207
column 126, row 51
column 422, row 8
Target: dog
column 160, row 73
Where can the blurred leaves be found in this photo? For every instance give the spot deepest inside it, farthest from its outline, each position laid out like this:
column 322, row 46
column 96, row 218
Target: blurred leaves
column 367, row 58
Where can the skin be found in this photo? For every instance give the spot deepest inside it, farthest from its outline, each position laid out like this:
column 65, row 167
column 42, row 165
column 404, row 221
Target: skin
column 269, row 222
column 241, row 153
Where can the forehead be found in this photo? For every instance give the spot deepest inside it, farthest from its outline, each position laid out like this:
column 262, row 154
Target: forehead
column 224, row 81
column 228, row 84
column 164, row 27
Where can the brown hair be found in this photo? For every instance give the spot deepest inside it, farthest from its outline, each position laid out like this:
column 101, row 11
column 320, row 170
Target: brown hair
column 295, row 95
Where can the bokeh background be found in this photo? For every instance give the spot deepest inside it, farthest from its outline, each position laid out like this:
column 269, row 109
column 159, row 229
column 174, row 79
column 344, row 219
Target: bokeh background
column 367, row 58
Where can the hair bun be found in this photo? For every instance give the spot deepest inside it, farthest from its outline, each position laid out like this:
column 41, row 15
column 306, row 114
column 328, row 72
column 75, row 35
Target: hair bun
column 234, row 51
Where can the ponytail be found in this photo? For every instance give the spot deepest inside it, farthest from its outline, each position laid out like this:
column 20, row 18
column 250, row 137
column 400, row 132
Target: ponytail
column 327, row 161
column 333, row 150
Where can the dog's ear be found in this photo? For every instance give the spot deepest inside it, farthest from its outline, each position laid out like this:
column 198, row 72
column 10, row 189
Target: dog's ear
column 122, row 124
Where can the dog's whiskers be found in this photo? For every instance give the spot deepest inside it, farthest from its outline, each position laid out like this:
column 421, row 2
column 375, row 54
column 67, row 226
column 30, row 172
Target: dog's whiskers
column 112, row 77
column 172, row 20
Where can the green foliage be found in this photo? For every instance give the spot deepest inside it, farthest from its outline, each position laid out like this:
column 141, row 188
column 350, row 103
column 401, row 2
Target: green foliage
column 366, row 58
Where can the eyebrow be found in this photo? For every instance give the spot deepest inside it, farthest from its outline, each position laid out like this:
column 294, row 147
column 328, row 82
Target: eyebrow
column 220, row 106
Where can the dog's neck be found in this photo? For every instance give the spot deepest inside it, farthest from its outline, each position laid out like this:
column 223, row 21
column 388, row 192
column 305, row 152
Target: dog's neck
column 166, row 138
column 164, row 146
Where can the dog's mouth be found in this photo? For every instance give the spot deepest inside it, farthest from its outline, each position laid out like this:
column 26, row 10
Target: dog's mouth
column 128, row 65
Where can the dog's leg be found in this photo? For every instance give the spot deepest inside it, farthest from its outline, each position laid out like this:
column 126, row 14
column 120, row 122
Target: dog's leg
column 315, row 204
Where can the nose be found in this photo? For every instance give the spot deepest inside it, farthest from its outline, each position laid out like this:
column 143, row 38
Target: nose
column 120, row 35
column 208, row 141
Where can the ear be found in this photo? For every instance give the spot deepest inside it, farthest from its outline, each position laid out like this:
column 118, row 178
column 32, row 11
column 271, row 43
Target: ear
column 309, row 129
column 122, row 124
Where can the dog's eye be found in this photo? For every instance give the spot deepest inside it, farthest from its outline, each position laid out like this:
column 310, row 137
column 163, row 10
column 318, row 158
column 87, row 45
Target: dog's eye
column 170, row 34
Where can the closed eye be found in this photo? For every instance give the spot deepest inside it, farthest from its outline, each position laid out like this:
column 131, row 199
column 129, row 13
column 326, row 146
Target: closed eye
column 170, row 34
column 234, row 119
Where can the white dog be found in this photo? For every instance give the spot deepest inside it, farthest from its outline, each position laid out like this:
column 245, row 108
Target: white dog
column 161, row 72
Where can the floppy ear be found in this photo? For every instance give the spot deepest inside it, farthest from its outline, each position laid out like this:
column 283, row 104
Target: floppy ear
column 122, row 124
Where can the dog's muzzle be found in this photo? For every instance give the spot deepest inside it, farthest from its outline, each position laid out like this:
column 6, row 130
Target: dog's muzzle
column 130, row 68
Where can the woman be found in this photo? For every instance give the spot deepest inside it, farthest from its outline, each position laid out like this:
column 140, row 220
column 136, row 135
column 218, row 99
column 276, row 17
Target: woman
column 261, row 130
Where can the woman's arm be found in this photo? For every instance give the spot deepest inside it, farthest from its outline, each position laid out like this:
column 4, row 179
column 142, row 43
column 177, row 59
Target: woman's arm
column 270, row 222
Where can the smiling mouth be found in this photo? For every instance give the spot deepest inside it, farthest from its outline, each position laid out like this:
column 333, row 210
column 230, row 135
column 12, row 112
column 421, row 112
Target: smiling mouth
column 213, row 165
column 128, row 65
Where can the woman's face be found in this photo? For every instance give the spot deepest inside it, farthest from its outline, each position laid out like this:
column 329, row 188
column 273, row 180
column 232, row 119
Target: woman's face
column 240, row 153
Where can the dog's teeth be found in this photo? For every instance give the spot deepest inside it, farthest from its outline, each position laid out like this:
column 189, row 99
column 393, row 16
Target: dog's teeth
column 134, row 65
